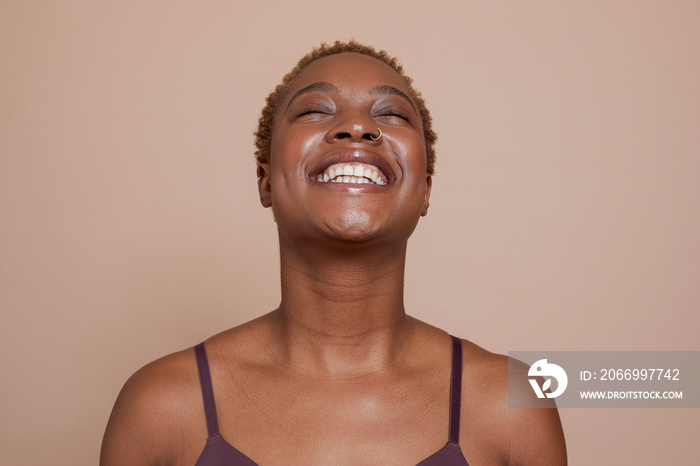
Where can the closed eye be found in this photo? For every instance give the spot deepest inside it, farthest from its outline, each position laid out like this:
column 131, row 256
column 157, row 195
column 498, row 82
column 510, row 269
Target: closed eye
column 392, row 113
column 312, row 111
column 396, row 114
column 308, row 111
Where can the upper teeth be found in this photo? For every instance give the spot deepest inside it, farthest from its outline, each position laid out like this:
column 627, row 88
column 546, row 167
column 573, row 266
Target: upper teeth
column 351, row 173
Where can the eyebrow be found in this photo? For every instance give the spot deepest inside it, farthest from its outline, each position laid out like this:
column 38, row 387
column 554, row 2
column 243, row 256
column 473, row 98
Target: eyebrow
column 390, row 90
column 321, row 86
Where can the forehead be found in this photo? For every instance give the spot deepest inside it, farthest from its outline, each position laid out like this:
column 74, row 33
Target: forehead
column 348, row 70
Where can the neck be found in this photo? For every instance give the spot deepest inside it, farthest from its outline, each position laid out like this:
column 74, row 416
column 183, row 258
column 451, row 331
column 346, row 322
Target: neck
column 342, row 309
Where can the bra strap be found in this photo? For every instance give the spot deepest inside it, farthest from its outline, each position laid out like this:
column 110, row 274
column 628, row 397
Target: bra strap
column 455, row 389
column 207, row 390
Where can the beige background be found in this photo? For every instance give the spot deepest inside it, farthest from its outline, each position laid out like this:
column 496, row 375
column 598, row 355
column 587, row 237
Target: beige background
column 564, row 212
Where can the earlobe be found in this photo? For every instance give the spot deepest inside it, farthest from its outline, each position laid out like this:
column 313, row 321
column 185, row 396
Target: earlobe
column 264, row 188
column 428, row 187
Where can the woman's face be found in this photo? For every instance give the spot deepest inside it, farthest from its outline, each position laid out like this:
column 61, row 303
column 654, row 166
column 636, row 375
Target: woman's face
column 323, row 131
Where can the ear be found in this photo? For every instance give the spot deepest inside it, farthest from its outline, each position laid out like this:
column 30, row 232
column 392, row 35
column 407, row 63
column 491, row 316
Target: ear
column 428, row 187
column 264, row 188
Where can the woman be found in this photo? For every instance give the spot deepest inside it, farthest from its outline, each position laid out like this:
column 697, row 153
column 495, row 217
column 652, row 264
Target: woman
column 338, row 373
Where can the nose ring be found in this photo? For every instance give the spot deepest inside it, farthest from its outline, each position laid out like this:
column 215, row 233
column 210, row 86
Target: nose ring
column 378, row 137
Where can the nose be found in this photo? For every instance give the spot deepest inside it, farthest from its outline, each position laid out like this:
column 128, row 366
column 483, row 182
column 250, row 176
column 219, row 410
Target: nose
column 354, row 129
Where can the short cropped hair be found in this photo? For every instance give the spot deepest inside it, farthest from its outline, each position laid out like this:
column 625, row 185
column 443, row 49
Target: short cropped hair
column 263, row 135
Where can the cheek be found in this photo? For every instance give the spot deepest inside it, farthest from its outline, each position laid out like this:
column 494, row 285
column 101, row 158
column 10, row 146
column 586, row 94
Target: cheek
column 291, row 147
column 414, row 156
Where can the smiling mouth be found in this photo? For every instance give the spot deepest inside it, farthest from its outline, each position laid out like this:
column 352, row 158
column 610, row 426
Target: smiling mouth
column 352, row 172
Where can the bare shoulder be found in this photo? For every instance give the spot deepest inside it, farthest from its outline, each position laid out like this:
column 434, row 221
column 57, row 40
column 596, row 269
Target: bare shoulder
column 514, row 436
column 157, row 414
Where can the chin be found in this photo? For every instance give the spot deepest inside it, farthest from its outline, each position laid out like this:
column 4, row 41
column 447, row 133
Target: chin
column 353, row 226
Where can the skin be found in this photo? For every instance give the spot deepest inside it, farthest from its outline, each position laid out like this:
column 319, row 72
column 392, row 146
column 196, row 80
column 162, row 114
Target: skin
column 338, row 373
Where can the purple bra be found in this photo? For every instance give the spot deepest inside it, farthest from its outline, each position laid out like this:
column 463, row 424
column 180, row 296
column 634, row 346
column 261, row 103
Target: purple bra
column 218, row 452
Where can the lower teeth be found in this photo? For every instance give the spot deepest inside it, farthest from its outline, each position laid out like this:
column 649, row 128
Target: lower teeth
column 350, row 179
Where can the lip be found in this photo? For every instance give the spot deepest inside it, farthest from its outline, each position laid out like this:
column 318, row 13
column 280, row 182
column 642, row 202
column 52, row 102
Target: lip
column 349, row 155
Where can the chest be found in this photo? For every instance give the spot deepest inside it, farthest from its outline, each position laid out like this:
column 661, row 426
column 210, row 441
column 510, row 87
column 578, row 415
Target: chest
column 366, row 420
